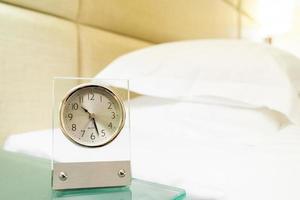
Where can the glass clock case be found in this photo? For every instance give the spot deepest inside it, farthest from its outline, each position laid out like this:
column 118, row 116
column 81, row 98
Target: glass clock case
column 91, row 133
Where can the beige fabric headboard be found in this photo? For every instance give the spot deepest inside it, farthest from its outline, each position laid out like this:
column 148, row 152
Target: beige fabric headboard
column 42, row 39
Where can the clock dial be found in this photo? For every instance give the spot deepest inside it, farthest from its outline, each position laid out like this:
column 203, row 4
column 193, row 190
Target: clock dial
column 91, row 115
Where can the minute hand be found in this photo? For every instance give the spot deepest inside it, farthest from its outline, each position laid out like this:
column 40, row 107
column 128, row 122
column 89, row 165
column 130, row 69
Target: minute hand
column 94, row 122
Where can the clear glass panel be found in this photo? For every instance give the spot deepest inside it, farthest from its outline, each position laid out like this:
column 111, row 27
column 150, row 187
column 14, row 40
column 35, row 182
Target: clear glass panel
column 138, row 190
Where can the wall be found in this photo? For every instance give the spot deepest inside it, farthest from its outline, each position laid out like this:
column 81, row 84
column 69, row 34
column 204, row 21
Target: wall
column 290, row 41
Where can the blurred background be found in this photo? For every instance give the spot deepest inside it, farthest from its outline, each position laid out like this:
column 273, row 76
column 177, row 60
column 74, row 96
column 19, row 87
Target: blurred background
column 43, row 39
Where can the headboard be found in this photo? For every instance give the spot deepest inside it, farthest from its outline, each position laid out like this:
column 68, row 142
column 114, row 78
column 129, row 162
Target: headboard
column 42, row 39
column 150, row 22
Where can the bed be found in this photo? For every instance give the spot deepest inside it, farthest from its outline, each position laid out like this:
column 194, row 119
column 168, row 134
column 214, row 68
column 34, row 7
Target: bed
column 219, row 135
column 211, row 156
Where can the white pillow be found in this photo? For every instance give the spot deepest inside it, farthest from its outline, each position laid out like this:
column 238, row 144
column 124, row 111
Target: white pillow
column 290, row 63
column 242, row 71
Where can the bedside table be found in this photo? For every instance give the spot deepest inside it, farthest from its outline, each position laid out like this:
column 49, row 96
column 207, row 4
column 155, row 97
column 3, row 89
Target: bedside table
column 29, row 178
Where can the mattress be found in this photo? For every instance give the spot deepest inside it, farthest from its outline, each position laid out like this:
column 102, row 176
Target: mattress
column 213, row 151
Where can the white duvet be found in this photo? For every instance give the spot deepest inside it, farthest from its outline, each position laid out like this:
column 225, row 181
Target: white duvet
column 212, row 151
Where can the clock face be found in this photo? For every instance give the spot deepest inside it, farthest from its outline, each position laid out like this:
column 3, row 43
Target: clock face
column 91, row 115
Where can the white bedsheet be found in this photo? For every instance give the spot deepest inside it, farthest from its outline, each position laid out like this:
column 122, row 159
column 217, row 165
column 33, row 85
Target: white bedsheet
column 212, row 151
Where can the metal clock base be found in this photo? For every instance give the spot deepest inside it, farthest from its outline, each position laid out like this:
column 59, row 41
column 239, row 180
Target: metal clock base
column 91, row 174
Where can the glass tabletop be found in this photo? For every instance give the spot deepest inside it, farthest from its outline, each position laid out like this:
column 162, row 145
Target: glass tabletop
column 28, row 178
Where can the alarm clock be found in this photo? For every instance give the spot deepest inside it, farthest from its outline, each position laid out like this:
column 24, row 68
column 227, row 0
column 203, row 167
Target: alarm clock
column 92, row 117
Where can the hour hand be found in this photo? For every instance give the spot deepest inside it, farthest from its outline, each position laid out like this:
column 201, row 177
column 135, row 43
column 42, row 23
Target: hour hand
column 85, row 110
